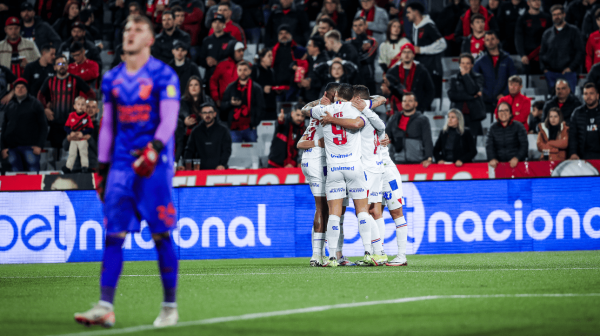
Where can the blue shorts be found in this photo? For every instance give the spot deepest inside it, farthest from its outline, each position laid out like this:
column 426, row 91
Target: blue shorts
column 130, row 199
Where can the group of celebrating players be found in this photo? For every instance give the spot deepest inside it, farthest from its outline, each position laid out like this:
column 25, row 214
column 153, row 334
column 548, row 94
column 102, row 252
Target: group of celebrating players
column 344, row 157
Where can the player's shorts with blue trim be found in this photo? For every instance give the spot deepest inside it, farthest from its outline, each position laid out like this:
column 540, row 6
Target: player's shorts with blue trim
column 131, row 198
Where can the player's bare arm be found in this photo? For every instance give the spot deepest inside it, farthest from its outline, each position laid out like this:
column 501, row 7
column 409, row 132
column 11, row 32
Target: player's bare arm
column 377, row 101
column 351, row 124
column 385, row 141
column 306, row 109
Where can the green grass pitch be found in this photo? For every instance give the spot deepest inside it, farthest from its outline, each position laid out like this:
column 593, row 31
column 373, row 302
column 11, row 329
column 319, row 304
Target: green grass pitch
column 468, row 294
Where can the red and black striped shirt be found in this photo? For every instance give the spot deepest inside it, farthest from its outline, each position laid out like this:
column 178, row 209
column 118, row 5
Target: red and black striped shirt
column 61, row 93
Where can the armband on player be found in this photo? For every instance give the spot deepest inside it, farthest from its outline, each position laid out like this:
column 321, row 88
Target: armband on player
column 147, row 158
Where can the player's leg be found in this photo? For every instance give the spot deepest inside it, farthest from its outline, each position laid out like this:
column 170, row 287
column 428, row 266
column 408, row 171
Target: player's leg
column 374, row 186
column 319, row 225
column 342, row 260
column 392, row 187
column 336, row 191
column 357, row 190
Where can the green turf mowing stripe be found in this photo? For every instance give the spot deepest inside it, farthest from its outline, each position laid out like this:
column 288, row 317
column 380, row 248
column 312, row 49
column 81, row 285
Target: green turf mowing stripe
column 323, row 308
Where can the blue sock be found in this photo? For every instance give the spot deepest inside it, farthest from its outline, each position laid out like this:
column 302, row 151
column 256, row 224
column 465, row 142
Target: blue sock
column 112, row 264
column 168, row 265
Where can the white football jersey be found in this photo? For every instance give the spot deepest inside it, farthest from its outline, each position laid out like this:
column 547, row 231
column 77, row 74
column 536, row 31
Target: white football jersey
column 370, row 152
column 313, row 132
column 341, row 145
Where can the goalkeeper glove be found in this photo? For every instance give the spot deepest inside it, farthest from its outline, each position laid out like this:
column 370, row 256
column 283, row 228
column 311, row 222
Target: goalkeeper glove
column 102, row 176
column 147, row 158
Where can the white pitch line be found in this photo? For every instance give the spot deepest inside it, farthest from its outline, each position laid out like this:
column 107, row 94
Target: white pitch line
column 300, row 273
column 319, row 309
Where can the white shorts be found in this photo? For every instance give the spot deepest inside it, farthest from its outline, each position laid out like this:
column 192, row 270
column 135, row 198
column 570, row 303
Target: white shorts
column 392, row 187
column 346, row 178
column 374, row 186
column 314, row 171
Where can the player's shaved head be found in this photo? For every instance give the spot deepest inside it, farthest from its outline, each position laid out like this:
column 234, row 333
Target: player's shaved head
column 345, row 91
column 331, row 89
column 361, row 91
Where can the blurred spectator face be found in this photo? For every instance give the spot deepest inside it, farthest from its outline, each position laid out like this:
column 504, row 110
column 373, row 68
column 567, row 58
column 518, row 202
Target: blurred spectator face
column 492, row 3
column 243, row 72
column 21, row 91
column 179, row 54
column 284, row 36
column 297, row 117
column 407, row 56
column 411, row 14
column 323, row 28
column 179, row 18
column 238, row 55
column 267, row 60
column 409, row 104
column 49, row 56
column 514, row 88
column 337, row 70
column 491, row 42
column 366, row 4
column 330, row 6
column 78, row 34
column 133, row 10
column 554, row 118
column 395, row 30
column 503, row 113
column 137, row 36
column 194, row 88
column 465, row 64
column 73, row 11
column 61, row 66
column 13, row 32
column 474, row 4
column 168, row 22
column 535, row 4
column 92, row 108
column 536, row 112
column 452, row 120
column 218, row 26
column 225, row 11
column 590, row 96
column 312, row 50
column 27, row 15
column 330, row 43
column 478, row 26
column 79, row 56
column 359, row 27
column 79, row 105
column 208, row 114
column 562, row 90
column 558, row 17
column 286, row 3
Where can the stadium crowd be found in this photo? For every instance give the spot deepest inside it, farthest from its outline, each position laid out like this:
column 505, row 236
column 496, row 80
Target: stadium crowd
column 51, row 67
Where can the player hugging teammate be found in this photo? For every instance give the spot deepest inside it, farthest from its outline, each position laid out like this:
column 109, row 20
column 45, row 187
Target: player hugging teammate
column 344, row 157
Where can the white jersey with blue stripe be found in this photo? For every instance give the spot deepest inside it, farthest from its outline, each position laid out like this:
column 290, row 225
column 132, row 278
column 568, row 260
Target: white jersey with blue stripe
column 370, row 153
column 313, row 132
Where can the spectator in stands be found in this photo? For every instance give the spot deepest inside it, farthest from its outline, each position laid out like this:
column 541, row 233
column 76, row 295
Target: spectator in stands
column 562, row 50
column 48, row 10
column 294, row 18
column 189, row 16
column 91, row 108
column 377, row 19
column 37, row 72
column 252, row 19
column 163, row 44
column 389, row 51
column 410, row 134
column 584, row 136
column 463, row 28
column 493, row 7
column 592, row 47
column 410, row 76
column 337, row 49
column 16, row 52
column 446, row 20
column 519, row 103
column 230, row 27
column 397, row 10
column 576, row 11
column 189, row 112
column 337, row 72
column 57, row 96
column 87, row 18
column 528, row 35
column 317, row 55
column 262, row 74
column 508, row 14
column 79, row 128
column 496, row 66
column 70, row 15
column 243, row 103
column 87, row 69
column 179, row 16
column 535, row 118
column 507, row 139
column 429, row 43
column 466, row 94
column 210, row 141
column 6, row 79
column 24, row 129
column 475, row 43
column 78, row 36
column 236, row 12
column 553, row 137
column 182, row 65
column 564, row 100
column 288, row 132
column 214, row 47
column 226, row 73
column 366, row 47
column 334, row 10
column 323, row 26
column 456, row 143
column 589, row 21
column 36, row 29
column 287, row 57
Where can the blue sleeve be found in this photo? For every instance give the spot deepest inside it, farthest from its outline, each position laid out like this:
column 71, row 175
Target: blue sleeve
column 168, row 84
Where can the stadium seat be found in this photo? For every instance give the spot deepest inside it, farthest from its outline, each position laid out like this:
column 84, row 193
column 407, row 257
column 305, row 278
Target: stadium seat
column 533, row 152
column 251, row 50
column 436, row 120
column 450, row 66
column 243, row 155
column 265, row 134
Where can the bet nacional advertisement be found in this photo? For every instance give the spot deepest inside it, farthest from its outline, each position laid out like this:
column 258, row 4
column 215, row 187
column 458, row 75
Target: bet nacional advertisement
column 542, row 214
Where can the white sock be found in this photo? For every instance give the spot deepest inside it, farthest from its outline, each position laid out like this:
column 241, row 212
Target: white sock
column 333, row 234
column 376, row 239
column 381, row 225
column 340, row 244
column 401, row 234
column 364, row 228
column 318, row 242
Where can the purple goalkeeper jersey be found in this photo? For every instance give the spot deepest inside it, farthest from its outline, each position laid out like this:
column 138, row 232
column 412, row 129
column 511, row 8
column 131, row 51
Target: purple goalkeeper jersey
column 135, row 102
